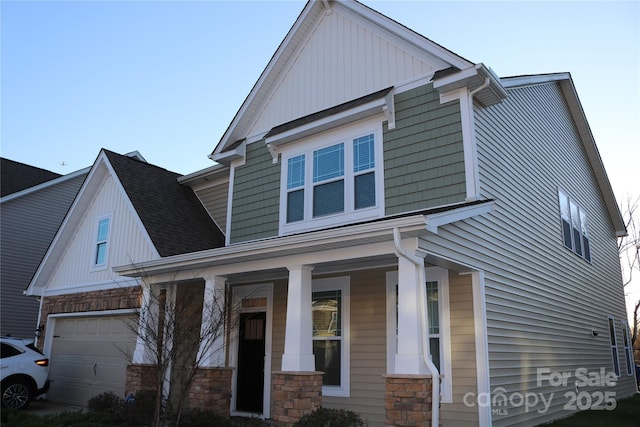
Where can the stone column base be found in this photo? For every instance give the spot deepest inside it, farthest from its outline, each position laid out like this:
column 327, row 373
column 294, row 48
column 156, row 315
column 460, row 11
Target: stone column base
column 408, row 400
column 141, row 377
column 294, row 395
column 211, row 389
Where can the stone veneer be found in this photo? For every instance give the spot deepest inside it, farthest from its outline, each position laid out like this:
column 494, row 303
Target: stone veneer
column 408, row 400
column 141, row 377
column 295, row 394
column 110, row 299
column 211, row 389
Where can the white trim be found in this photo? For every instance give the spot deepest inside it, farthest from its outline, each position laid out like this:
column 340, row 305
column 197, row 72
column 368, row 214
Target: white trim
column 433, row 221
column 343, row 285
column 611, row 324
column 346, row 135
column 238, row 293
column 98, row 286
column 432, row 274
column 50, row 183
column 482, row 345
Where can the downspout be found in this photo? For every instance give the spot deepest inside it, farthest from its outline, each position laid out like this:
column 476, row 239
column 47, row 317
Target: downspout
column 426, row 352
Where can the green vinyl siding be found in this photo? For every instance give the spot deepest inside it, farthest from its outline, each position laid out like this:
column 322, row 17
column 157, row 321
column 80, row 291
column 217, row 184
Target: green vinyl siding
column 256, row 193
column 423, row 155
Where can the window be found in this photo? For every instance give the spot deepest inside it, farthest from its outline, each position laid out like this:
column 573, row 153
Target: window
column 437, row 294
column 330, row 314
column 575, row 233
column 336, row 176
column 628, row 351
column 102, row 242
column 614, row 346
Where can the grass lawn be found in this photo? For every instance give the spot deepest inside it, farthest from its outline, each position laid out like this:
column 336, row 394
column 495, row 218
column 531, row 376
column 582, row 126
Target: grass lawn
column 626, row 414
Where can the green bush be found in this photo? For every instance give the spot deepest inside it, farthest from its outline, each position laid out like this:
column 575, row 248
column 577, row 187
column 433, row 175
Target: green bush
column 325, row 417
column 64, row 419
column 108, row 404
column 200, row 417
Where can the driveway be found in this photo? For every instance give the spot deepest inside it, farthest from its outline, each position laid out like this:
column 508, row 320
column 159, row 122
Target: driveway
column 45, row 407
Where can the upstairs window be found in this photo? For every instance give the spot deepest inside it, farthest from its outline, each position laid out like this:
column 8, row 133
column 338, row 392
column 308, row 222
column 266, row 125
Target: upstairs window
column 614, row 346
column 102, row 242
column 575, row 233
column 335, row 178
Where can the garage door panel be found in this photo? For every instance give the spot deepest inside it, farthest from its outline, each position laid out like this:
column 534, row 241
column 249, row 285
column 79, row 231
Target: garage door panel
column 89, row 356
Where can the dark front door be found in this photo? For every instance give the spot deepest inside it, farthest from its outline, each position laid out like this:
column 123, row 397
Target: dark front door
column 250, row 380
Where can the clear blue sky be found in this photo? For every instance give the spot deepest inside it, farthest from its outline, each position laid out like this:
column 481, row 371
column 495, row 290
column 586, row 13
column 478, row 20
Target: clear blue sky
column 166, row 78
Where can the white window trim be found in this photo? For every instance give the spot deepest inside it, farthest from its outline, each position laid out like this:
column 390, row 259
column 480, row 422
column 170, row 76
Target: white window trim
column 104, row 265
column 341, row 284
column 611, row 324
column 345, row 134
column 581, row 212
column 432, row 274
column 628, row 351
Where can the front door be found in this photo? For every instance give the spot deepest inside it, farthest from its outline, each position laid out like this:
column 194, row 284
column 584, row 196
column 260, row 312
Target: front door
column 251, row 355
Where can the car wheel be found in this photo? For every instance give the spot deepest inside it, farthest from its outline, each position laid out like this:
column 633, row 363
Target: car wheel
column 16, row 394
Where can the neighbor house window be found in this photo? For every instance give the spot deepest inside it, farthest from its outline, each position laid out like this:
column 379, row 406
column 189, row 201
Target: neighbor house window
column 614, row 346
column 628, row 351
column 102, row 242
column 437, row 307
column 330, row 314
column 575, row 233
column 335, row 177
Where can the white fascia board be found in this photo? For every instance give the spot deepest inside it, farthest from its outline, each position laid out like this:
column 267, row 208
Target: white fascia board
column 270, row 248
column 229, row 156
column 433, row 221
column 516, row 81
column 472, row 78
column 212, row 172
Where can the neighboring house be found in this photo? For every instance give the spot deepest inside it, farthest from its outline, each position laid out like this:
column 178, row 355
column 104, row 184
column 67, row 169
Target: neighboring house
column 33, row 203
column 393, row 214
column 127, row 211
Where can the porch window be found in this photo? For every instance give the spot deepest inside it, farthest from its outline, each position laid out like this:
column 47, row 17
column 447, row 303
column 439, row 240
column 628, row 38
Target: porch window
column 102, row 242
column 437, row 294
column 614, row 346
column 330, row 302
column 332, row 178
column 575, row 233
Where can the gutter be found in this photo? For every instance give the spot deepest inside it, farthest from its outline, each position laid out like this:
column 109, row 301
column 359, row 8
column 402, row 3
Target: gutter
column 426, row 351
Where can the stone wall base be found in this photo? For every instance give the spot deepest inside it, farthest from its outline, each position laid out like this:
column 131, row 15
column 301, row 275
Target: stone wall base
column 295, row 394
column 211, row 389
column 408, row 400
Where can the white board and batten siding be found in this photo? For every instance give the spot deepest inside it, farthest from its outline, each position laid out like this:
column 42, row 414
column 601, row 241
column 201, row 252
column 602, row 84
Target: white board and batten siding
column 344, row 57
column 542, row 300
column 128, row 242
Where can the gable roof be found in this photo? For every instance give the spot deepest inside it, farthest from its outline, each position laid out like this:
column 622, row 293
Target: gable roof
column 586, row 137
column 295, row 40
column 16, row 176
column 171, row 213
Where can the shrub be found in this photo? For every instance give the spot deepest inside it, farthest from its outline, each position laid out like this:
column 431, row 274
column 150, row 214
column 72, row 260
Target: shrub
column 325, row 417
column 108, row 404
column 196, row 417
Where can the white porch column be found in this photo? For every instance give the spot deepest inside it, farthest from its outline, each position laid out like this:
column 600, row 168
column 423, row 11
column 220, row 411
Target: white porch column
column 211, row 353
column 141, row 354
column 298, row 349
column 409, row 357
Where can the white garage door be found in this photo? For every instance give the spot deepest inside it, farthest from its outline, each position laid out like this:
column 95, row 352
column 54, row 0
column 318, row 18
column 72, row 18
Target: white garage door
column 89, row 355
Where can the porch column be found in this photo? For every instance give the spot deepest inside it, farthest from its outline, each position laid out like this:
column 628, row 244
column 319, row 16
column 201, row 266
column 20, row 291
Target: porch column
column 298, row 349
column 409, row 357
column 212, row 348
column 141, row 353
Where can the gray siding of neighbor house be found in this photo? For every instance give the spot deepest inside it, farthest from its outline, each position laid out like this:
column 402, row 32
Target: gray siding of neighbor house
column 29, row 223
column 423, row 155
column 256, row 196
column 542, row 300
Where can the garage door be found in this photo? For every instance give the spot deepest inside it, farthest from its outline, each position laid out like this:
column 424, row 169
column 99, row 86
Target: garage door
column 89, row 355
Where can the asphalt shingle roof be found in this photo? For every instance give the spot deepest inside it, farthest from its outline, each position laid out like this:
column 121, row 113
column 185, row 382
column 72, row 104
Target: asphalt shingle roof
column 171, row 213
column 16, row 176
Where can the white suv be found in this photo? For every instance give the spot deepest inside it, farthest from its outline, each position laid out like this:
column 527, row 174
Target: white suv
column 24, row 370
